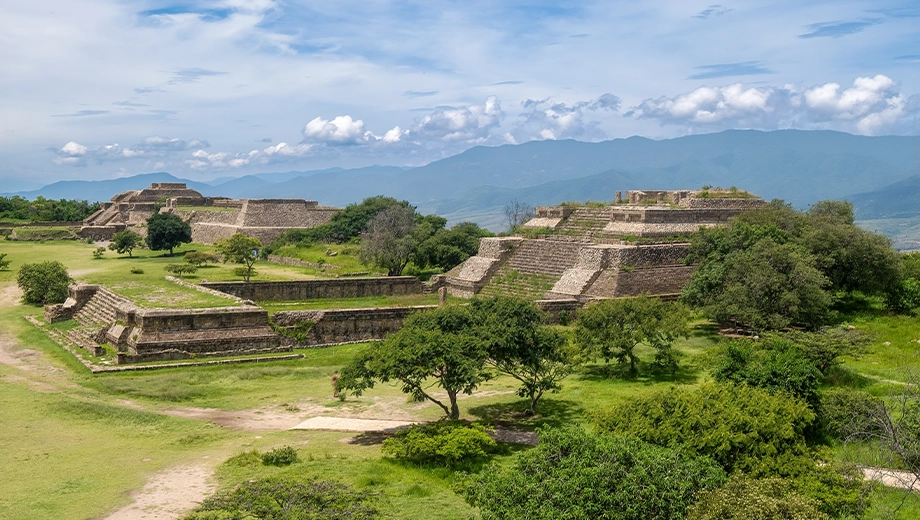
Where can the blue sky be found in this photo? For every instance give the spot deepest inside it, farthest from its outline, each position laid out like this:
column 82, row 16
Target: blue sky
column 204, row 89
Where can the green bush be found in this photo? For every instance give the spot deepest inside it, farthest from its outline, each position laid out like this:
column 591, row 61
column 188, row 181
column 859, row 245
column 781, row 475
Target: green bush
column 43, row 282
column 580, row 475
column 279, row 498
column 740, row 427
column 905, row 297
column 180, row 269
column 200, row 258
column 284, row 456
column 743, row 498
column 444, row 442
column 244, row 272
column 4, row 264
column 847, row 413
column 98, row 252
column 137, row 270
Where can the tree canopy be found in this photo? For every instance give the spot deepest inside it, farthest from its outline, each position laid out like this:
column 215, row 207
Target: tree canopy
column 43, row 282
column 612, row 329
column 240, row 249
column 42, row 209
column 433, row 348
column 390, row 239
column 125, row 242
column 167, row 231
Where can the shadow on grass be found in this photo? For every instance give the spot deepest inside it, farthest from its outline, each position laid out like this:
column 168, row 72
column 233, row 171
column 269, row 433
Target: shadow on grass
column 648, row 374
column 550, row 412
column 839, row 375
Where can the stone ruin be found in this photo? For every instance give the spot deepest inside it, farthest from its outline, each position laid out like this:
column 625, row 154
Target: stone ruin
column 211, row 218
column 636, row 245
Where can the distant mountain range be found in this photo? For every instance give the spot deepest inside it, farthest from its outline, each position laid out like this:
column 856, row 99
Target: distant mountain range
column 800, row 167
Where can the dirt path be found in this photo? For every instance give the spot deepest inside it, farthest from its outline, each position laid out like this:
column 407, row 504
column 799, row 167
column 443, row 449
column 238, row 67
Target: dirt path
column 169, row 494
column 893, row 478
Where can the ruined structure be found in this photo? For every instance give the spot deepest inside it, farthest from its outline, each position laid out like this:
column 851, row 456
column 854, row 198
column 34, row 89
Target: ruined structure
column 636, row 245
column 211, row 218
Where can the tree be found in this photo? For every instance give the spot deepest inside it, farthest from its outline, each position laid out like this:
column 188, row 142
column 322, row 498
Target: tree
column 43, row 282
column 125, row 242
column 389, row 241
column 433, row 348
column 517, row 213
column 580, row 475
column 519, row 346
column 612, row 329
column 240, row 249
column 180, row 269
column 766, row 286
column 448, row 248
column 4, row 264
column 167, row 231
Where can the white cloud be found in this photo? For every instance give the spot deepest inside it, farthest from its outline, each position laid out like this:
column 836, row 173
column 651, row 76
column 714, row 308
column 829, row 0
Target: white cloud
column 470, row 123
column 343, row 130
column 202, row 160
column 871, row 105
column 76, row 154
column 545, row 119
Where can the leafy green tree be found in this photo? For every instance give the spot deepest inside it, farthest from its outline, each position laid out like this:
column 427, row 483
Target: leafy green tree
column 448, row 248
column 125, row 242
column 282, row 498
column 742, row 428
column 905, row 297
column 433, row 348
column 167, row 231
column 520, row 346
column 390, row 239
column 825, row 347
column 43, row 282
column 771, row 365
column 744, row 498
column 180, row 269
column 612, row 329
column 4, row 263
column 240, row 249
column 580, row 475
column 766, row 286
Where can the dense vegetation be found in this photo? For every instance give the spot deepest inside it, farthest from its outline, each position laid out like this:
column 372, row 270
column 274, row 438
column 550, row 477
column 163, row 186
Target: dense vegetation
column 42, row 209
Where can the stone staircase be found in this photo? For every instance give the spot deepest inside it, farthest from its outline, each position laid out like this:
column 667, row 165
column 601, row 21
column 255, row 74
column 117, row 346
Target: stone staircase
column 584, row 223
column 543, row 257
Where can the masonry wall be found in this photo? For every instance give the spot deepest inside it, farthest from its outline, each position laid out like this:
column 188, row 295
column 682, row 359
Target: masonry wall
column 330, row 327
column 315, row 289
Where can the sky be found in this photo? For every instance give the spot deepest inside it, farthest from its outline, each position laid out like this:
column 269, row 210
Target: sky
column 100, row 89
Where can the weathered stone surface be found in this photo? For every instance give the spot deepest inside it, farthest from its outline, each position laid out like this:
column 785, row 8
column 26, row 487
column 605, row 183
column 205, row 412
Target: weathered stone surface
column 314, row 289
column 334, row 326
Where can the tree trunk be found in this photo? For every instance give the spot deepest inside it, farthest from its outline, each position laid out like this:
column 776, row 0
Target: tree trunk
column 454, row 409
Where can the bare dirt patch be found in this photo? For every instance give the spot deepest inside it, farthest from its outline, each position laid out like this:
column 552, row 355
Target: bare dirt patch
column 10, row 296
column 169, row 494
column 263, row 419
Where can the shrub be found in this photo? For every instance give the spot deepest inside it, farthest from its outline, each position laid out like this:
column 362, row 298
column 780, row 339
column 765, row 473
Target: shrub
column 905, row 297
column 97, row 254
column 4, row 264
column 743, row 498
column 137, row 270
column 576, row 474
column 280, row 498
column 244, row 272
column 43, row 282
column 180, row 269
column 443, row 442
column 742, row 428
column 284, row 456
column 200, row 258
column 847, row 413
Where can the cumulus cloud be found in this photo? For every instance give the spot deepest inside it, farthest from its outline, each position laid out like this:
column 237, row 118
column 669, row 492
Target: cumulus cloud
column 280, row 152
column 343, row 130
column 76, row 154
column 546, row 119
column 468, row 123
column 871, row 105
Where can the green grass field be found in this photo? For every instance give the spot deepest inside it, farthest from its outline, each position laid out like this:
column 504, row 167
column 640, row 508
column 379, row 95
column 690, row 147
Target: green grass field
column 75, row 444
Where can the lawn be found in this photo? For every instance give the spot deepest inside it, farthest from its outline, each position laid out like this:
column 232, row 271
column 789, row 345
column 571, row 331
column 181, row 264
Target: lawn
column 75, row 444
column 352, row 303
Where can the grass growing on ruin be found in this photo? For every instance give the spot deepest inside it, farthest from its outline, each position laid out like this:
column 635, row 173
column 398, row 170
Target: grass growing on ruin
column 345, row 260
column 352, row 303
